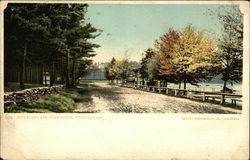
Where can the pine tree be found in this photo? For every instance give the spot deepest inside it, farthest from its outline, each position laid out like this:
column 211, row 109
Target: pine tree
column 76, row 37
column 24, row 27
column 52, row 35
column 149, row 53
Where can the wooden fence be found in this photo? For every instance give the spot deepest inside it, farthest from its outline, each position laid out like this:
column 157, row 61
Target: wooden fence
column 204, row 95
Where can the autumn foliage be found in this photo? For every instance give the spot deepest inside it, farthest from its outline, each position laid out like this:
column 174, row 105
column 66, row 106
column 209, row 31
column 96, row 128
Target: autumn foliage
column 166, row 47
column 186, row 56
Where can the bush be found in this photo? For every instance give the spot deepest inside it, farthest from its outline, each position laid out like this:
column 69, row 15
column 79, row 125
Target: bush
column 75, row 96
column 54, row 103
column 64, row 101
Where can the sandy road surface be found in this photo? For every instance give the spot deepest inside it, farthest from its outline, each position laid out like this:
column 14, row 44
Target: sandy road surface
column 114, row 99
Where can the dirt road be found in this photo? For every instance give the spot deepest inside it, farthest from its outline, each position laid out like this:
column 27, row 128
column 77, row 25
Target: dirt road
column 114, row 99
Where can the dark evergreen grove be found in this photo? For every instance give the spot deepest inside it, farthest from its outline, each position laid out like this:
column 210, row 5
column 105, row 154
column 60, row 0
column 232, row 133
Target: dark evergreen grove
column 42, row 39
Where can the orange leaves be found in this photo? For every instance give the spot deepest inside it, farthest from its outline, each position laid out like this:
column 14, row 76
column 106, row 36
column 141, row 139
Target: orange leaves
column 188, row 55
column 166, row 47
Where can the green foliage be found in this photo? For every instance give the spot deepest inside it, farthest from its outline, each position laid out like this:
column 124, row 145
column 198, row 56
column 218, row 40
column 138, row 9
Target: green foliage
column 46, row 104
column 73, row 94
column 64, row 101
column 153, row 66
column 109, row 74
column 54, row 103
column 83, row 67
column 25, row 109
column 149, row 53
column 62, row 28
column 231, row 44
column 121, row 69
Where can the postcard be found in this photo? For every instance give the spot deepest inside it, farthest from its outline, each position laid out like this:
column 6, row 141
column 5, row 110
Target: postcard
column 124, row 79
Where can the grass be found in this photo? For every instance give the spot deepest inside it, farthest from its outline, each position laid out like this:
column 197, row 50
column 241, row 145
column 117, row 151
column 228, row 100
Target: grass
column 12, row 86
column 94, row 81
column 62, row 102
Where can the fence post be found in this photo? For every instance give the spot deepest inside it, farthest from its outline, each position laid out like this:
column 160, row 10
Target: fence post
column 222, row 98
column 159, row 85
column 191, row 95
column 203, row 97
column 175, row 92
column 138, row 80
column 166, row 91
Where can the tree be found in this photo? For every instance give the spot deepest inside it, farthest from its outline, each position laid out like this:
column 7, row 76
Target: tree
column 166, row 47
column 231, row 45
column 195, row 56
column 24, row 27
column 149, row 53
column 121, row 70
column 153, row 66
column 76, row 37
column 108, row 70
column 60, row 27
column 83, row 68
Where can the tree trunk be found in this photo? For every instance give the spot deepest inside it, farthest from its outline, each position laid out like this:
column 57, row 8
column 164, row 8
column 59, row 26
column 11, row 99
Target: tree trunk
column 41, row 75
column 52, row 75
column 73, row 71
column 62, row 72
column 67, row 70
column 25, row 75
column 45, row 76
column 180, row 85
column 6, row 73
column 22, row 71
column 31, row 81
column 225, row 85
column 18, row 76
column 37, row 74
column 185, row 82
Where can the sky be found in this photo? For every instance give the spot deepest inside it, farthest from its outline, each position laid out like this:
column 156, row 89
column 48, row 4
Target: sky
column 130, row 29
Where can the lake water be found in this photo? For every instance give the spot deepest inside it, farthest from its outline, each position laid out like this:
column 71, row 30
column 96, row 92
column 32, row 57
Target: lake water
column 213, row 87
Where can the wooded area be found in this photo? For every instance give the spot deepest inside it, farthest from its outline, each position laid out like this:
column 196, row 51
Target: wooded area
column 42, row 40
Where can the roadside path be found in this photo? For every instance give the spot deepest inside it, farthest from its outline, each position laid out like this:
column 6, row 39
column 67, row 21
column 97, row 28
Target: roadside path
column 114, row 99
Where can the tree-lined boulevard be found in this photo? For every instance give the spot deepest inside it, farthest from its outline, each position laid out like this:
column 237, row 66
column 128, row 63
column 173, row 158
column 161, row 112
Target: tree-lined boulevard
column 114, row 99
column 52, row 44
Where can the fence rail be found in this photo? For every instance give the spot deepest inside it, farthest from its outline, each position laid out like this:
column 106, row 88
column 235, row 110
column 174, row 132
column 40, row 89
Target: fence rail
column 205, row 95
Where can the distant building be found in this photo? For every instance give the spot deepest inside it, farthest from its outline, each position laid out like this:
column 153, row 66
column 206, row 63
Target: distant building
column 97, row 72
